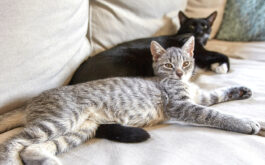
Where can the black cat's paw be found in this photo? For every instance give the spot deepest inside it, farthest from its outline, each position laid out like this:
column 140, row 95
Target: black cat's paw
column 239, row 93
column 220, row 68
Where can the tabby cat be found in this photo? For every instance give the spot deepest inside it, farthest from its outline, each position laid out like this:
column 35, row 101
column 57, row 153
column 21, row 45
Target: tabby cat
column 62, row 118
column 134, row 58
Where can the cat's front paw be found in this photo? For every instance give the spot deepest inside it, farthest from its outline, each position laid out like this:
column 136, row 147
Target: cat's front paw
column 220, row 69
column 255, row 127
column 262, row 128
column 249, row 127
column 238, row 93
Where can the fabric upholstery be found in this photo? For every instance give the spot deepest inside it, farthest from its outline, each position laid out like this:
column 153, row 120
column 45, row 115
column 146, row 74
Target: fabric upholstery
column 183, row 144
column 244, row 20
column 41, row 44
column 37, row 54
column 113, row 22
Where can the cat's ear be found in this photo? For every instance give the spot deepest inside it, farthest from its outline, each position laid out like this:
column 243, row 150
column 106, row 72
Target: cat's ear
column 212, row 17
column 188, row 47
column 182, row 17
column 156, row 50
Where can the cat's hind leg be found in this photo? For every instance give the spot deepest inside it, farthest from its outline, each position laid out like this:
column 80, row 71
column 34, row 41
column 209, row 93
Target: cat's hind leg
column 223, row 94
column 35, row 131
column 12, row 146
column 44, row 153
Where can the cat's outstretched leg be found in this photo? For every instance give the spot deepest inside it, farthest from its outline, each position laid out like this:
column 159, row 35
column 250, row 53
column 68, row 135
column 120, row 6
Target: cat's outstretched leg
column 44, row 153
column 11, row 147
column 222, row 95
column 204, row 116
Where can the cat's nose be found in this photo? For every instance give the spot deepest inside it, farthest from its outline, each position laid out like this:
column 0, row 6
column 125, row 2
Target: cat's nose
column 179, row 73
column 199, row 31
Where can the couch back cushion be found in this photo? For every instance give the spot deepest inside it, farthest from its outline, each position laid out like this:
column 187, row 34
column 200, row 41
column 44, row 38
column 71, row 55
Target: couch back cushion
column 244, row 20
column 42, row 43
column 113, row 22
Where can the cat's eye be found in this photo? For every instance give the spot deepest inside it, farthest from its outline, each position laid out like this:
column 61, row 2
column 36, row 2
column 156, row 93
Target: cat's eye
column 186, row 63
column 191, row 27
column 205, row 27
column 168, row 65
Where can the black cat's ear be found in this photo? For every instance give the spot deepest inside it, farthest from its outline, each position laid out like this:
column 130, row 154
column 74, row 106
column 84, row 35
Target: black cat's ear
column 182, row 17
column 212, row 17
column 188, row 47
column 156, row 50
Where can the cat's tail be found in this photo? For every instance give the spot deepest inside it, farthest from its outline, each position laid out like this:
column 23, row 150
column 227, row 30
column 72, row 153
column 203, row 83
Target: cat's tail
column 12, row 119
column 124, row 134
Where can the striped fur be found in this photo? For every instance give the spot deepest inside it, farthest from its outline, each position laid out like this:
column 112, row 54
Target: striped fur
column 62, row 118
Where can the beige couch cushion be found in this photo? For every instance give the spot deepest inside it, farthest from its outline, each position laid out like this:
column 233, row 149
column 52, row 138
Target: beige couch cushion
column 113, row 22
column 240, row 50
column 203, row 8
column 42, row 43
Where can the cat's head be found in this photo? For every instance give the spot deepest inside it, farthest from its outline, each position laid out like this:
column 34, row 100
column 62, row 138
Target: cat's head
column 200, row 28
column 177, row 63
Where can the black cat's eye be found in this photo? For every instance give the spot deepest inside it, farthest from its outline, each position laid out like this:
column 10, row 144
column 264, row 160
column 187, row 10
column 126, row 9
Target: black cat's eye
column 168, row 65
column 191, row 27
column 186, row 63
column 205, row 26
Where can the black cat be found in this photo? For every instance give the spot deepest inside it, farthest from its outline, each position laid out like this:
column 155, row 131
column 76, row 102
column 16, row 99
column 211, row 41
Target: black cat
column 134, row 58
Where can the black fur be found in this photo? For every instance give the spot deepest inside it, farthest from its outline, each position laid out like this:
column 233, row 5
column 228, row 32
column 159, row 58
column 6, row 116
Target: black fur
column 116, row 132
column 199, row 27
column 134, row 58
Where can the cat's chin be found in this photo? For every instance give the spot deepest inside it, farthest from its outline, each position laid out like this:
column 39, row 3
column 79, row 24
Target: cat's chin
column 174, row 77
column 202, row 39
column 183, row 79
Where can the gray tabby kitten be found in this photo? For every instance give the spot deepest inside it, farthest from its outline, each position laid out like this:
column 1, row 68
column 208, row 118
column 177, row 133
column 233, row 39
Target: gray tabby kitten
column 65, row 117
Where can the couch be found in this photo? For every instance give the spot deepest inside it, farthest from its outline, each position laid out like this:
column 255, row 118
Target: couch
column 43, row 43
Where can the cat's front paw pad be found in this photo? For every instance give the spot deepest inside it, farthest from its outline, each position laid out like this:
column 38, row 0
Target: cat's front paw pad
column 240, row 93
column 245, row 92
